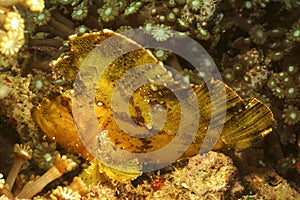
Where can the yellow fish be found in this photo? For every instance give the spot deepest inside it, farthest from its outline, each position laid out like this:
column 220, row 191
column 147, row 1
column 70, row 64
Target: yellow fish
column 246, row 122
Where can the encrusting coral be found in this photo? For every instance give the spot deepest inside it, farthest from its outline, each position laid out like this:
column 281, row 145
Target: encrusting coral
column 211, row 176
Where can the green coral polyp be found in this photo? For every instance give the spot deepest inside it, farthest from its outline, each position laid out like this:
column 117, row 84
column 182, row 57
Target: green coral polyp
column 133, row 8
column 109, row 12
column 42, row 18
column 65, row 2
column 291, row 115
column 195, row 5
column 202, row 34
column 161, row 33
column 171, row 17
column 183, row 23
column 160, row 54
column 278, row 92
column 248, row 5
column 81, row 29
column 80, row 13
column 294, row 33
column 171, row 3
column 258, row 35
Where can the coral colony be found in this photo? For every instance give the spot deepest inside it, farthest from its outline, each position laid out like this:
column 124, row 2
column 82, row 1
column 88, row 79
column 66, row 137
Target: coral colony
column 255, row 45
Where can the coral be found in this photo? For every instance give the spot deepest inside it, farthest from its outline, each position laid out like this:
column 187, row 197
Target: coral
column 256, row 76
column 161, row 33
column 4, row 189
column 11, row 43
column 133, row 8
column 22, row 153
column 12, row 37
column 160, row 54
column 49, row 23
column 44, row 155
column 100, row 192
column 61, row 166
column 64, row 193
column 195, row 5
column 291, row 115
column 229, row 74
column 109, row 11
column 79, row 186
column 80, row 12
column 294, row 33
column 257, row 34
column 192, row 77
column 33, row 5
column 123, row 29
column 255, row 44
column 205, row 177
column 202, row 34
column 199, row 11
column 42, row 18
column 14, row 22
column 284, row 85
column 4, row 89
column 65, row 2
column 275, row 55
column 268, row 184
column 81, row 30
column 171, row 17
column 17, row 103
column 40, row 83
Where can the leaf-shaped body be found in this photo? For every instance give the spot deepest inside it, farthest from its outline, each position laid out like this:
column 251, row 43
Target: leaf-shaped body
column 245, row 122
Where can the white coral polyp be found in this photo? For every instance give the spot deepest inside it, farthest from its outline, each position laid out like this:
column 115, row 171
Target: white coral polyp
column 35, row 5
column 11, row 43
column 161, row 33
column 14, row 22
column 64, row 193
